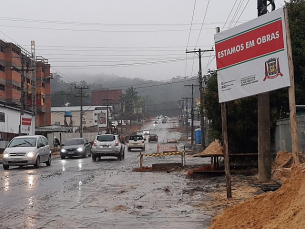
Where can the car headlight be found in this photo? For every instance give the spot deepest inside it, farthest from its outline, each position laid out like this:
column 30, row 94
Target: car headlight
column 80, row 149
column 30, row 154
column 63, row 150
column 5, row 154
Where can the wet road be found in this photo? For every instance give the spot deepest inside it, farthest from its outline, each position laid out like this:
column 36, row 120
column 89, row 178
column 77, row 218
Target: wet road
column 80, row 193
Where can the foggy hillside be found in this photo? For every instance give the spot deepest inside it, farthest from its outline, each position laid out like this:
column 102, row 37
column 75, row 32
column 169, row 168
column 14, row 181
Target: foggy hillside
column 161, row 96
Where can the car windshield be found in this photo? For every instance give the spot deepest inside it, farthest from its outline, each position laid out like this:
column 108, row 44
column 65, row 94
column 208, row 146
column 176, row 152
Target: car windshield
column 23, row 142
column 136, row 137
column 76, row 141
column 105, row 138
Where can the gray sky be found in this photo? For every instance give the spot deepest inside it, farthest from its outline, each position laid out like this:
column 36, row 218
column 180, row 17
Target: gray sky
column 129, row 38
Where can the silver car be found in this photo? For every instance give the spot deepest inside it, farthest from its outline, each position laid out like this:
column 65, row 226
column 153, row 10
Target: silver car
column 27, row 150
column 108, row 145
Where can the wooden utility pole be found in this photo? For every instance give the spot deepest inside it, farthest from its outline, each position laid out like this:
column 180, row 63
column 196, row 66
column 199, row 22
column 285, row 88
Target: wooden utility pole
column 291, row 91
column 263, row 109
column 201, row 90
column 107, row 115
column 22, row 92
column 192, row 114
column 81, row 106
column 187, row 115
column 225, row 144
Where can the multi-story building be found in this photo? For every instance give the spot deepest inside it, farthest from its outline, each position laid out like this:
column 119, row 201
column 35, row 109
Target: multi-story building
column 24, row 90
column 104, row 97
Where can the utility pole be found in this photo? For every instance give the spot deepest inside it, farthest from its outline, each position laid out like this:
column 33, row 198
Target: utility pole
column 263, row 109
column 121, row 117
column 192, row 114
column 187, row 115
column 107, row 123
column 22, row 92
column 81, row 106
column 34, row 84
column 201, row 90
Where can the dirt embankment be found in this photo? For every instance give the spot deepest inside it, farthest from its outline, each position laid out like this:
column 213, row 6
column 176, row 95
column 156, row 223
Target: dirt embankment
column 281, row 209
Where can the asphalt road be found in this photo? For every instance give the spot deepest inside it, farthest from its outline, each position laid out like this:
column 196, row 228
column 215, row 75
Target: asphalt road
column 80, row 193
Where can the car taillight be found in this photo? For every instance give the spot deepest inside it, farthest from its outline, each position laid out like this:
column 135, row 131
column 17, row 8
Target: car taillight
column 116, row 143
column 94, row 143
column 142, row 141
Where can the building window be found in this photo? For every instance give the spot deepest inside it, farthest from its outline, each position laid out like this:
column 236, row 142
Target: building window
column 57, row 123
column 2, row 68
column 1, row 49
column 43, row 85
column 16, row 51
column 84, row 122
column 15, row 69
column 2, row 87
column 16, row 88
column 43, row 100
column 2, row 117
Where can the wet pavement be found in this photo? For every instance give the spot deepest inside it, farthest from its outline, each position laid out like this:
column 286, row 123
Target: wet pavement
column 80, row 193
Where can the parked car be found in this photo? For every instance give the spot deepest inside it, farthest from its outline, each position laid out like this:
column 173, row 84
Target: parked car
column 153, row 138
column 27, row 150
column 75, row 147
column 108, row 145
column 164, row 120
column 136, row 141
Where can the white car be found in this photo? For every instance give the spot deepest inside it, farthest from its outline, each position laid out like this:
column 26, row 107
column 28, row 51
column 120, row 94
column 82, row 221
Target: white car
column 108, row 145
column 136, row 141
column 27, row 150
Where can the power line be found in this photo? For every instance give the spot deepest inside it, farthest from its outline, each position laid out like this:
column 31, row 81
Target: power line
column 229, row 15
column 242, row 12
column 206, row 10
column 99, row 24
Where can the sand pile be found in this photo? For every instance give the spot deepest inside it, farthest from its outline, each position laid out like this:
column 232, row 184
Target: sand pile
column 213, row 149
column 281, row 209
column 281, row 167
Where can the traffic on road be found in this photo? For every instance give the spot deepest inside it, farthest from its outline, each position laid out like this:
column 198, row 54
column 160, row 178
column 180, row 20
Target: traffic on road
column 78, row 192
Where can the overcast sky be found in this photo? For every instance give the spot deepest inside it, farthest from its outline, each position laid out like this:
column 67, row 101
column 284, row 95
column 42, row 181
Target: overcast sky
column 129, row 38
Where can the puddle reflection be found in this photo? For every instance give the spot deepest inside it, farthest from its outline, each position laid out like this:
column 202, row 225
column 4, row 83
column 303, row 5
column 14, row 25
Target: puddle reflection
column 63, row 165
column 30, row 181
column 31, row 201
column 6, row 184
column 80, row 166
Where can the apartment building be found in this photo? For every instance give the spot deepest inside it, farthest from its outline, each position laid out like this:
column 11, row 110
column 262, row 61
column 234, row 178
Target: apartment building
column 24, row 82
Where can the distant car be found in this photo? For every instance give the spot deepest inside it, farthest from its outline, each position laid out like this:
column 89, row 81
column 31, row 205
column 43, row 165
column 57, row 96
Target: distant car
column 75, row 147
column 146, row 132
column 144, row 136
column 108, row 145
column 136, row 141
column 164, row 120
column 27, row 150
column 153, row 138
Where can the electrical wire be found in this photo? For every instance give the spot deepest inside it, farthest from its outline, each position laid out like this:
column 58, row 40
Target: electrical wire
column 241, row 12
column 206, row 10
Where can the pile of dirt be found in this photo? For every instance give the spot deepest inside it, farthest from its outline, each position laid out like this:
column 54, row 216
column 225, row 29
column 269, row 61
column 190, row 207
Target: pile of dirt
column 214, row 149
column 283, row 208
column 281, row 167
